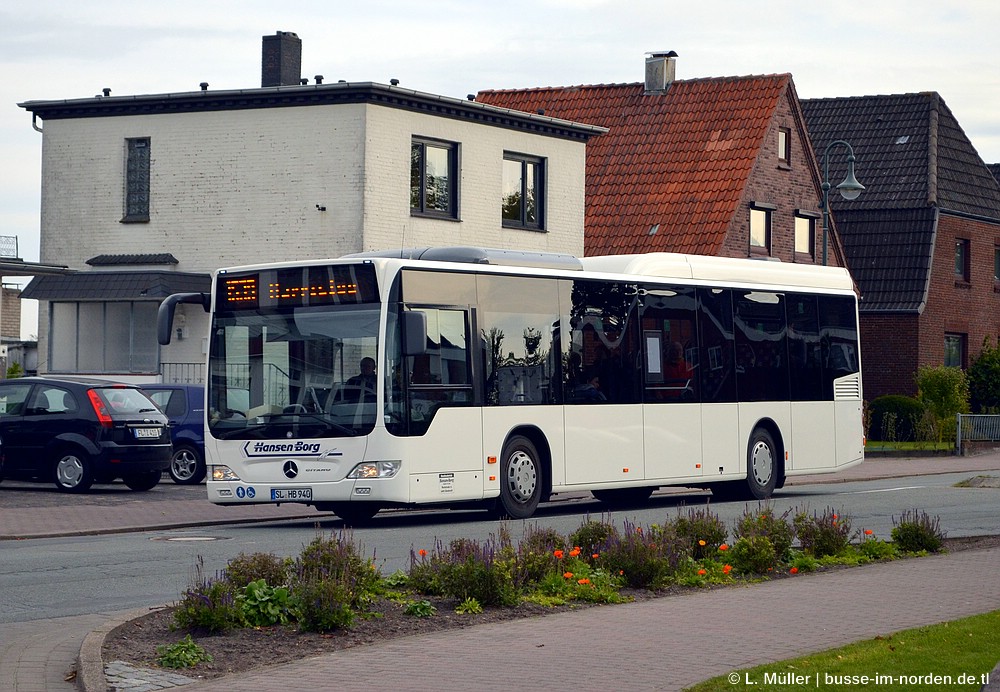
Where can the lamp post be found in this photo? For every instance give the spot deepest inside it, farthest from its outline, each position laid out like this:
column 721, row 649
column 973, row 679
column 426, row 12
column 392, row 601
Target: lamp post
column 849, row 189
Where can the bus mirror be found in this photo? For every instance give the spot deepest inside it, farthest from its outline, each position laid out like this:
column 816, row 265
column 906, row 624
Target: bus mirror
column 414, row 333
column 165, row 314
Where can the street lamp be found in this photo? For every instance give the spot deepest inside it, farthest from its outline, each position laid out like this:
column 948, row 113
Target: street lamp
column 849, row 189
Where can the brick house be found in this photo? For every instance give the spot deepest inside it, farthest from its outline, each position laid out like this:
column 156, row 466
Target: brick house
column 922, row 241
column 147, row 194
column 717, row 166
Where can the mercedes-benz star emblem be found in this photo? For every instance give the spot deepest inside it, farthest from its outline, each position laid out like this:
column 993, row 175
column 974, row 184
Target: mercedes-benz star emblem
column 290, row 469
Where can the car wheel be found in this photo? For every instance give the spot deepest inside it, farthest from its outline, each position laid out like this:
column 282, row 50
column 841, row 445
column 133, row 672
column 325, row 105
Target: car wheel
column 142, row 481
column 187, row 466
column 72, row 471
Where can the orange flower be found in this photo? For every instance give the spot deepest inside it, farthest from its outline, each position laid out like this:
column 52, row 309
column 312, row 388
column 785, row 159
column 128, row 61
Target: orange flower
column 834, row 516
column 621, row 572
column 701, row 573
column 422, row 552
column 558, row 554
column 583, row 582
column 723, row 547
column 868, row 532
column 726, row 569
column 701, row 542
column 638, row 529
column 595, row 555
column 568, row 575
column 793, row 570
column 574, row 552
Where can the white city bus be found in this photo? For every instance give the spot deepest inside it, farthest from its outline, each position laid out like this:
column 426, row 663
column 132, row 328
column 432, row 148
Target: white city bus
column 503, row 377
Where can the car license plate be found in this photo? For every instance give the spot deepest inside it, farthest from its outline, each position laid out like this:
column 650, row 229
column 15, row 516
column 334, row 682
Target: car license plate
column 291, row 494
column 146, row 433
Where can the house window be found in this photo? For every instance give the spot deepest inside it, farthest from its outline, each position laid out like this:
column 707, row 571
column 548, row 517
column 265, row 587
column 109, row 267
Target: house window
column 784, row 145
column 954, row 350
column 91, row 337
column 136, row 180
column 962, row 259
column 523, row 192
column 434, row 178
column 760, row 229
column 996, row 264
column 805, row 235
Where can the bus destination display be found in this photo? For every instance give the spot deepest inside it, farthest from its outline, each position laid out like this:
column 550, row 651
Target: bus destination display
column 306, row 286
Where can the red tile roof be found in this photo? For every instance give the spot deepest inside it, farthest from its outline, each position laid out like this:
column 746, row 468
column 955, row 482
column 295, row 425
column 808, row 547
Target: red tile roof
column 680, row 159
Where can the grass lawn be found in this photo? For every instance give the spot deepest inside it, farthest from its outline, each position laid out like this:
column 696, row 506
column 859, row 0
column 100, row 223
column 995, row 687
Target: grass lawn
column 876, row 446
column 969, row 647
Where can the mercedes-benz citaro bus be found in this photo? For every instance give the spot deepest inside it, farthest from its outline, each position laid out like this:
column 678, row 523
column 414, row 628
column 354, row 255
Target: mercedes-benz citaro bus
column 497, row 378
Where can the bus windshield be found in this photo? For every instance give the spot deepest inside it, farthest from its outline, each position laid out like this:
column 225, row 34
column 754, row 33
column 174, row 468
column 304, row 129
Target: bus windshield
column 293, row 372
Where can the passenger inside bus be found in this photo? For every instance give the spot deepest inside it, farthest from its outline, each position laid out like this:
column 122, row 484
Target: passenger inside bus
column 362, row 386
column 589, row 389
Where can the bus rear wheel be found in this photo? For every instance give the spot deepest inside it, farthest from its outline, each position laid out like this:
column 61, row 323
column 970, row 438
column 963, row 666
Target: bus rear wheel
column 521, row 479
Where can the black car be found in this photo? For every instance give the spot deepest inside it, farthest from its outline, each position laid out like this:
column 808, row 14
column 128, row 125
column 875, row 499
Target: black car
column 75, row 432
column 184, row 406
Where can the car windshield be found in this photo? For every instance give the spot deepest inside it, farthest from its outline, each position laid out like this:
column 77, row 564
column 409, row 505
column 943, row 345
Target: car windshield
column 305, row 372
column 125, row 400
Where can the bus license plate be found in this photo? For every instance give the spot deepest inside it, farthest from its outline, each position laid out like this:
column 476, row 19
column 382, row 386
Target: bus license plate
column 146, row 433
column 291, row 494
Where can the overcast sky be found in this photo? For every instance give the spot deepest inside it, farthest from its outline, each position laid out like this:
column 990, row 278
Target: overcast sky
column 68, row 50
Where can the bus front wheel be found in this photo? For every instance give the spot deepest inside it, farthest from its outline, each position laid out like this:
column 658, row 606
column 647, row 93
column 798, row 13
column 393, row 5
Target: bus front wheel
column 521, row 480
column 762, row 465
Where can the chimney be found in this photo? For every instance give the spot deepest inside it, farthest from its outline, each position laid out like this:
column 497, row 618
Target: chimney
column 281, row 61
column 660, row 69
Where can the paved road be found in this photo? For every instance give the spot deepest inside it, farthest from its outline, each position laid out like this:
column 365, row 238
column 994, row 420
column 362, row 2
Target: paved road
column 661, row 644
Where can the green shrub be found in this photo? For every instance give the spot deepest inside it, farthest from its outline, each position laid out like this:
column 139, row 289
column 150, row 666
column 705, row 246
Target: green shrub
column 211, row 606
column 916, row 532
column 324, row 605
column 641, row 560
column 944, row 391
column 894, row 418
column 823, row 534
column 592, row 535
column 336, row 559
column 535, row 556
column 764, row 522
column 984, row 379
column 264, row 606
column 753, row 554
column 244, row 569
column 469, row 569
column 420, row 609
column 701, row 531
column 184, row 654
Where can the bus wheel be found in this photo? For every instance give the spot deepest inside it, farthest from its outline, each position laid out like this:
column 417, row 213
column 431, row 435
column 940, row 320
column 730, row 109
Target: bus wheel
column 762, row 465
column 623, row 497
column 521, row 479
column 353, row 513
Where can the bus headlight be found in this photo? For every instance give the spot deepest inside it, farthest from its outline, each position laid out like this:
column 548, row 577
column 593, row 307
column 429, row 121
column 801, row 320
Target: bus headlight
column 375, row 469
column 223, row 473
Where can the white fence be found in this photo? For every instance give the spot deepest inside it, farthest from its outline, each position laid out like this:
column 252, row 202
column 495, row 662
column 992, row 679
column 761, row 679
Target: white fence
column 976, row 428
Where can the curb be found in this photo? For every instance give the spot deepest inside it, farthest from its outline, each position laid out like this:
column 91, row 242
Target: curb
column 90, row 662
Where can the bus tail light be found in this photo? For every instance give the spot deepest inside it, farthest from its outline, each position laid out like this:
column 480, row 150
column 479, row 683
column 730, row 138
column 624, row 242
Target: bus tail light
column 375, row 469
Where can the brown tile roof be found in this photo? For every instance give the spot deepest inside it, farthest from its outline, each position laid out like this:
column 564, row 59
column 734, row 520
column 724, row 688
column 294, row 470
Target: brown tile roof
column 679, row 159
